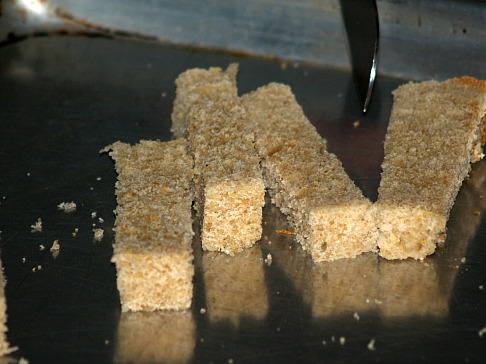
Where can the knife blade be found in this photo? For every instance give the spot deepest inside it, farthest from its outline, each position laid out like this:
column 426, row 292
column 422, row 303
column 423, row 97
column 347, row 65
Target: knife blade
column 362, row 28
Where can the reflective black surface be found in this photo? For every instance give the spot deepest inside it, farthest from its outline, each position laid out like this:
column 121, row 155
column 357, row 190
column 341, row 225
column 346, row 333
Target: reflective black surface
column 63, row 99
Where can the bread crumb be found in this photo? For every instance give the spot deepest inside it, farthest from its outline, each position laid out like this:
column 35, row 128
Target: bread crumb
column 285, row 231
column 55, row 248
column 356, row 124
column 34, row 269
column 37, row 226
column 463, row 260
column 22, row 360
column 356, row 316
column 98, row 178
column 42, row 247
column 67, row 206
column 163, row 94
column 202, row 311
column 481, row 287
column 91, row 188
column 268, row 259
column 101, row 220
column 333, row 338
column 98, row 234
column 324, row 342
column 107, row 342
column 93, row 214
column 482, row 331
column 371, row 345
column 28, row 174
column 75, row 232
column 342, row 340
column 24, row 260
column 39, row 267
column 378, row 302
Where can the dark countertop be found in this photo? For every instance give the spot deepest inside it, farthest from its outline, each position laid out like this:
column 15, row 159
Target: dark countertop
column 64, row 98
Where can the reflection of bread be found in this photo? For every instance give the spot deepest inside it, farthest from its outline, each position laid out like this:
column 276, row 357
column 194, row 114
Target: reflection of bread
column 343, row 287
column 4, row 346
column 152, row 251
column 331, row 217
column 155, row 337
column 228, row 182
column 235, row 286
column 434, row 135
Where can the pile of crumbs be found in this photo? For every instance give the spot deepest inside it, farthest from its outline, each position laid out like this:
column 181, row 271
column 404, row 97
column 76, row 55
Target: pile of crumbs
column 67, row 206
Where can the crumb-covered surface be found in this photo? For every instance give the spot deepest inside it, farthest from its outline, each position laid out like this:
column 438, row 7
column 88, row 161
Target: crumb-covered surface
column 64, row 98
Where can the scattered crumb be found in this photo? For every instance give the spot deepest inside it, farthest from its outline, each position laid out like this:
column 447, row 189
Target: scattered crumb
column 4, row 197
column 342, row 340
column 163, row 94
column 356, row 316
column 28, row 174
column 201, row 339
column 93, row 214
column 67, row 206
column 55, row 248
column 367, row 300
column 98, row 178
column 482, row 331
column 230, row 361
column 24, row 260
column 324, row 342
column 101, row 220
column 202, row 311
column 93, row 225
column 98, row 234
column 356, row 124
column 333, row 338
column 268, row 259
column 42, row 247
column 481, row 287
column 37, row 226
column 277, row 292
column 378, row 302
column 22, row 360
column 107, row 342
column 39, row 267
column 34, row 269
column 371, row 345
column 463, row 260
column 75, row 232
column 277, row 329
column 91, row 188
column 285, row 231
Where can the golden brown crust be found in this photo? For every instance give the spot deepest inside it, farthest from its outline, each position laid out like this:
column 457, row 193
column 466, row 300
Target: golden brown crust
column 227, row 176
column 330, row 216
column 153, row 227
column 434, row 135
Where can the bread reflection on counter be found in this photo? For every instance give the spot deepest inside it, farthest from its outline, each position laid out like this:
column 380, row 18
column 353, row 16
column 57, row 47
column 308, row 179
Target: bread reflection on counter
column 235, row 286
column 393, row 289
column 155, row 337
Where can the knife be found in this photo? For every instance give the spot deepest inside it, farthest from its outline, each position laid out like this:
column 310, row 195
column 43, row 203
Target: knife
column 362, row 28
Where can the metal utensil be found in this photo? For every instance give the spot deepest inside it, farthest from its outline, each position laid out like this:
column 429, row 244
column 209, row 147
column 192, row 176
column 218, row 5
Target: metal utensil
column 362, row 28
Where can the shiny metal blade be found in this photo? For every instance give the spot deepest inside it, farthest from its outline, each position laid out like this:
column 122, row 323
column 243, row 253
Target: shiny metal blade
column 362, row 28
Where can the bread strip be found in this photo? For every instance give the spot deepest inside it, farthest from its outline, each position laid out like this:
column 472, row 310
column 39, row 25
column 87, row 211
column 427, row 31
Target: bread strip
column 228, row 182
column 4, row 345
column 331, row 217
column 152, row 251
column 434, row 135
